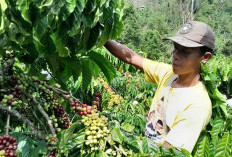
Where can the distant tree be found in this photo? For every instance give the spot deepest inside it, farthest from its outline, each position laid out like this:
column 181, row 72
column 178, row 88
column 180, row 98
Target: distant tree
column 227, row 49
column 130, row 35
column 153, row 45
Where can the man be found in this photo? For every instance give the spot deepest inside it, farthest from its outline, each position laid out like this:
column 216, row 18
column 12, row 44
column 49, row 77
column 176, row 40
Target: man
column 181, row 105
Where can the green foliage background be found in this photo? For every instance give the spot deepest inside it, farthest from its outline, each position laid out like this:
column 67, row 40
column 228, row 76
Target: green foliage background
column 146, row 23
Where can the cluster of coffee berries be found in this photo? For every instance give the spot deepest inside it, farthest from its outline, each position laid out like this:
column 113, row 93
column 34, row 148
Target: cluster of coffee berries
column 115, row 99
column 59, row 110
column 53, row 102
column 13, row 99
column 97, row 99
column 55, row 122
column 53, row 153
column 74, row 104
column 7, row 100
column 50, row 100
column 113, row 152
column 51, row 139
column 23, row 81
column 17, row 92
column 51, row 143
column 83, row 109
column 65, row 120
column 96, row 131
column 8, row 145
column 60, row 113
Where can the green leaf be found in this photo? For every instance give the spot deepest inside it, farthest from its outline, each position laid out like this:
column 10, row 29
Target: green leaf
column 80, row 5
column 24, row 8
column 223, row 148
column 52, row 82
column 90, row 6
column 211, row 150
column 114, row 124
column 79, row 138
column 186, row 153
column 87, row 73
column 75, row 68
column 24, row 148
column 106, row 67
column 25, row 144
column 94, row 35
column 31, row 54
column 128, row 127
column 149, row 146
column 67, row 134
column 67, row 8
column 178, row 153
column 47, row 3
column 101, row 2
column 67, row 73
column 70, row 4
column 40, row 149
column 40, row 27
column 56, row 8
column 106, row 32
column 202, row 147
column 117, row 26
column 75, row 23
column 75, row 143
column 217, row 128
column 117, row 135
column 60, row 45
column 132, row 142
column 53, row 64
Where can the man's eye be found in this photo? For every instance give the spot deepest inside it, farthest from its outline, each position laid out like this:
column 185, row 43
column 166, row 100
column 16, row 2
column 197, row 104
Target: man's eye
column 174, row 50
column 186, row 52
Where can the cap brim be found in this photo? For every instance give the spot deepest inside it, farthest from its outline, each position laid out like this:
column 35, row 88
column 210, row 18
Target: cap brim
column 184, row 41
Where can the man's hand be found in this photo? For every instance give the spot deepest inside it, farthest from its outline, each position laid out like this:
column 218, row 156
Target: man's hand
column 124, row 54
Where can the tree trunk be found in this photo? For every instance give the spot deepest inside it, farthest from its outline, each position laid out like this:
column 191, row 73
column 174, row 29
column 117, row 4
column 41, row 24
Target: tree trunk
column 192, row 18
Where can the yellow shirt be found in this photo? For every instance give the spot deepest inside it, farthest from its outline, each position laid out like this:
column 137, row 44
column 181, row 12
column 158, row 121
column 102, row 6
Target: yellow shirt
column 188, row 110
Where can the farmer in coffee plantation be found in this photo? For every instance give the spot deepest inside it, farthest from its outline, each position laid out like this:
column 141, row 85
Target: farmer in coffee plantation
column 181, row 107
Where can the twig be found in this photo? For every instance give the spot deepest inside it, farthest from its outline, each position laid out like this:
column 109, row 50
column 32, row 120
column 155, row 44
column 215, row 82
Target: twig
column 22, row 118
column 45, row 115
column 8, row 121
column 5, row 90
column 51, row 75
column 57, row 90
column 33, row 112
column 66, row 95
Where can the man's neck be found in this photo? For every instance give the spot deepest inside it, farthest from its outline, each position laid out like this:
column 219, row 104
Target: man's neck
column 187, row 80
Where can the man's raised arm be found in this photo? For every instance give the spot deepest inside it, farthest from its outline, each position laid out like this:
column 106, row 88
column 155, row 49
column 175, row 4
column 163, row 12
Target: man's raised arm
column 124, row 54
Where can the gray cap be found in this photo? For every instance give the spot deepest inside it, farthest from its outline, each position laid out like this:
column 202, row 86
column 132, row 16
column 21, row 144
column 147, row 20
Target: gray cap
column 194, row 34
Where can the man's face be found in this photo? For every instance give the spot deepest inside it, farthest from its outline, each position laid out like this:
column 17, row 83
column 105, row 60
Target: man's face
column 186, row 60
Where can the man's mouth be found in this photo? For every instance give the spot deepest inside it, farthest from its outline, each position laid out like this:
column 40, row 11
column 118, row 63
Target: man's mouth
column 175, row 65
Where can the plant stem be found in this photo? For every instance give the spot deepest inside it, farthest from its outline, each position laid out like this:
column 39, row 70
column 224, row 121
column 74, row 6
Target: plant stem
column 8, row 121
column 45, row 115
column 23, row 119
column 66, row 95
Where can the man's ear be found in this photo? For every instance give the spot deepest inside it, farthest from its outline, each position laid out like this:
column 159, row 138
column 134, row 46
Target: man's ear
column 207, row 56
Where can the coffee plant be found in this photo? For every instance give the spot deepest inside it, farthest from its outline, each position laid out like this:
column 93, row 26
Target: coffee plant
column 60, row 36
column 8, row 145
